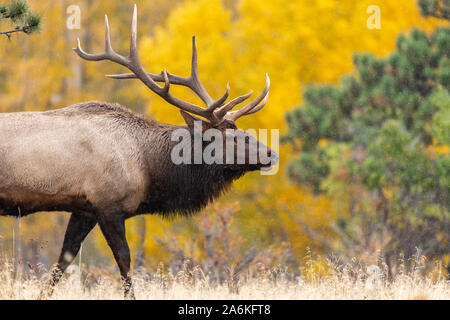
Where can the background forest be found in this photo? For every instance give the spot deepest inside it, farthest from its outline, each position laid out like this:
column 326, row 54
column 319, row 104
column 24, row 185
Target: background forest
column 364, row 114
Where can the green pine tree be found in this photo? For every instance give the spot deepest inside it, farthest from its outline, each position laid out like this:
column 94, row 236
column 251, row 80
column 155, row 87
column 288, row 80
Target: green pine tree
column 20, row 16
column 435, row 8
column 380, row 140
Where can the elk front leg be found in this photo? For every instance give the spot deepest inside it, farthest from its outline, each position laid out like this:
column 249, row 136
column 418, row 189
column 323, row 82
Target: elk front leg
column 78, row 228
column 112, row 225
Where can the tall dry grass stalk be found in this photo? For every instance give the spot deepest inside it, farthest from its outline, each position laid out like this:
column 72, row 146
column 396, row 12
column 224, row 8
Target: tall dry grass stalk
column 258, row 282
column 214, row 265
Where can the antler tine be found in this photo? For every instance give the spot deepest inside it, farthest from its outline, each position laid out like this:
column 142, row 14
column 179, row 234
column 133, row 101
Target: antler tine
column 166, row 81
column 194, row 80
column 258, row 107
column 155, row 77
column 253, row 106
column 109, row 53
column 133, row 63
column 220, row 113
column 108, row 47
column 133, row 40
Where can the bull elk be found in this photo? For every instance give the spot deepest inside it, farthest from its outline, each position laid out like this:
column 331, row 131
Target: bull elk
column 104, row 164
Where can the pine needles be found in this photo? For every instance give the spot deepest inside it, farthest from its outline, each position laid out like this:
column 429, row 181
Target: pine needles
column 21, row 17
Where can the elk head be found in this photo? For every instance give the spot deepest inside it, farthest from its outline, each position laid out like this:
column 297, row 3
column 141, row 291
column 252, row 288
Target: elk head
column 217, row 114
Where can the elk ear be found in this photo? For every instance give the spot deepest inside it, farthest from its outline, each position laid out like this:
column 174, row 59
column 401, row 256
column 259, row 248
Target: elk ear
column 190, row 120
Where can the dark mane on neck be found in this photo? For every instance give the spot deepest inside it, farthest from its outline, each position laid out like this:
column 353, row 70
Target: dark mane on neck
column 185, row 189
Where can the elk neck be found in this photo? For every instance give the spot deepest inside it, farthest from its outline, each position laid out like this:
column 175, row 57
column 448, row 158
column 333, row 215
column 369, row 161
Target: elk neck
column 179, row 189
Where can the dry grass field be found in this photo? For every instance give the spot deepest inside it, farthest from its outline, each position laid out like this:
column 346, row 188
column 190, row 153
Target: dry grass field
column 191, row 284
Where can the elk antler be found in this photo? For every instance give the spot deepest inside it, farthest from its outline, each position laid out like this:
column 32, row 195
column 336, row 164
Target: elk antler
column 215, row 111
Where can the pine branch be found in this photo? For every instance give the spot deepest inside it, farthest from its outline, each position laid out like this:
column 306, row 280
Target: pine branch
column 18, row 13
column 10, row 32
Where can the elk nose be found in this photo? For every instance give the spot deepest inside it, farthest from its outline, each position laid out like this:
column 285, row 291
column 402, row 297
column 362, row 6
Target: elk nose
column 273, row 156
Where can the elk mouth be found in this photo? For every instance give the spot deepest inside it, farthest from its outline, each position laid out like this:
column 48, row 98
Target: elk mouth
column 267, row 168
column 274, row 158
